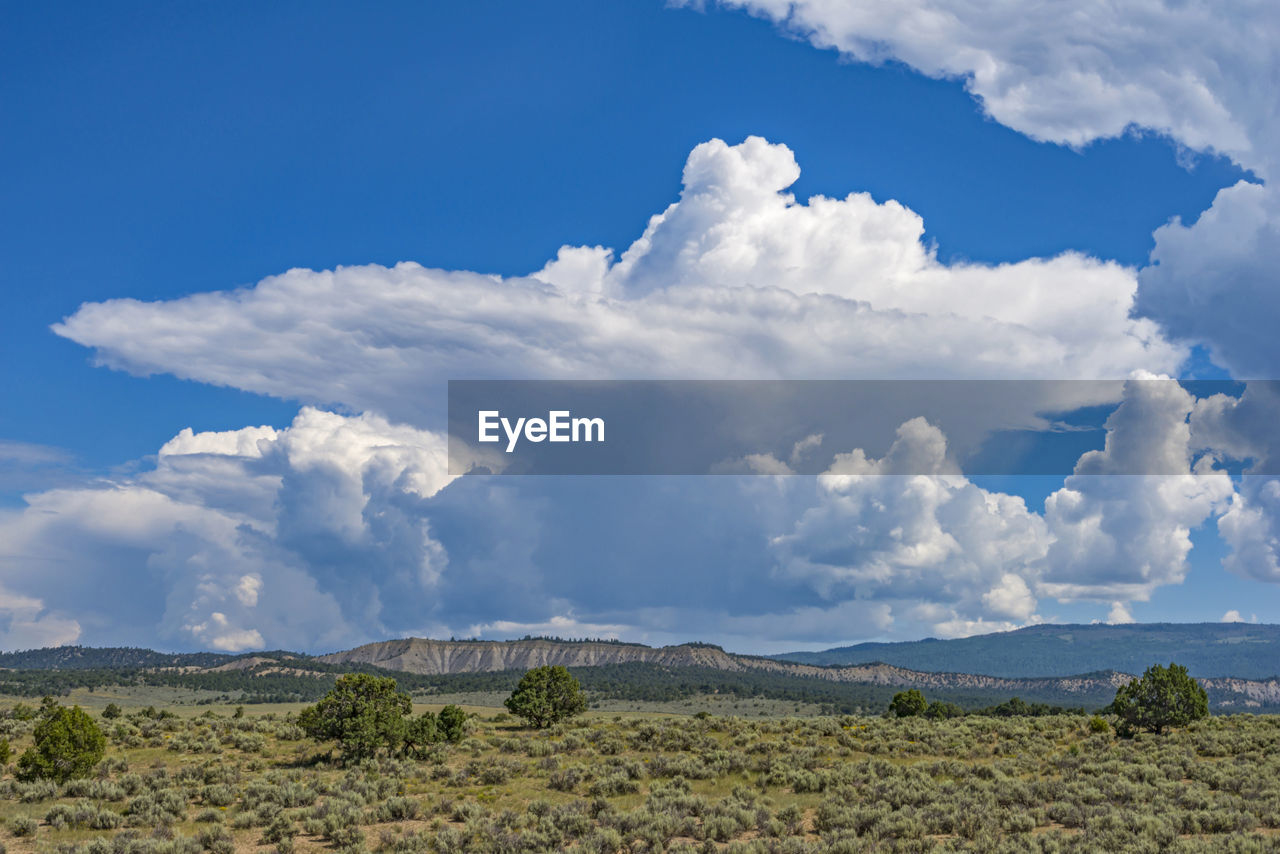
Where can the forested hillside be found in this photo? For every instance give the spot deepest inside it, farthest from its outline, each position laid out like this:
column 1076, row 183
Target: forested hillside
column 101, row 658
column 1206, row 649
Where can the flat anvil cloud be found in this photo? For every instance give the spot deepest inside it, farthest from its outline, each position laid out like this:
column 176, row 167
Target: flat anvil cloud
column 735, row 280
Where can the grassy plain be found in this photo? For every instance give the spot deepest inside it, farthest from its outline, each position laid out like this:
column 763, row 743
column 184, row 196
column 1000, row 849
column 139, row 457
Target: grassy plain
column 648, row 781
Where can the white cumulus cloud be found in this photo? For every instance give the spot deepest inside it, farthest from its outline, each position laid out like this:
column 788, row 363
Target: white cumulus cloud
column 1119, row 613
column 237, row 538
column 1216, row 281
column 25, row 623
column 974, row 560
column 1121, row 535
column 882, row 533
column 1203, row 72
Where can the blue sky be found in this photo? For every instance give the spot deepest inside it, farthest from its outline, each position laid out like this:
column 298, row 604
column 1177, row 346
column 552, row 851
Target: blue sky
column 161, row 153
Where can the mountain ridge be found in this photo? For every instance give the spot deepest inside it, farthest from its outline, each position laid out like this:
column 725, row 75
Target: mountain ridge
column 437, row 657
column 1237, row 650
column 74, row 657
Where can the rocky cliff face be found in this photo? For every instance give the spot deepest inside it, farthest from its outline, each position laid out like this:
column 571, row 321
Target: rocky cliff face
column 419, row 655
column 1243, row 694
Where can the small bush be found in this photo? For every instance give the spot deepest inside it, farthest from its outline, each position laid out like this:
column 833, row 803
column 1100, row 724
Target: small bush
column 217, row 841
column 23, row 825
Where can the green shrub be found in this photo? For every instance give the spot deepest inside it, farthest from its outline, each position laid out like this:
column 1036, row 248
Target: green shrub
column 942, row 711
column 397, row 809
column 216, row 840
column 420, row 733
column 23, row 825
column 547, row 695
column 280, row 829
column 67, row 745
column 908, row 704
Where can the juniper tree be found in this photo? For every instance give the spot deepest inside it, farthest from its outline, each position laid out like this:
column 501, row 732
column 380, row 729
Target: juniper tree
column 363, row 713
column 1163, row 697
column 547, row 695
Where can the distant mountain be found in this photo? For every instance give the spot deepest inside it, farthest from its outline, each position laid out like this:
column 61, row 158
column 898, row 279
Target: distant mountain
column 106, row 658
column 435, row 657
column 1241, row 650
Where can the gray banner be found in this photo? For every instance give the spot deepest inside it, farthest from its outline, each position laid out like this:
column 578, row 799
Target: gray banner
column 990, row 427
